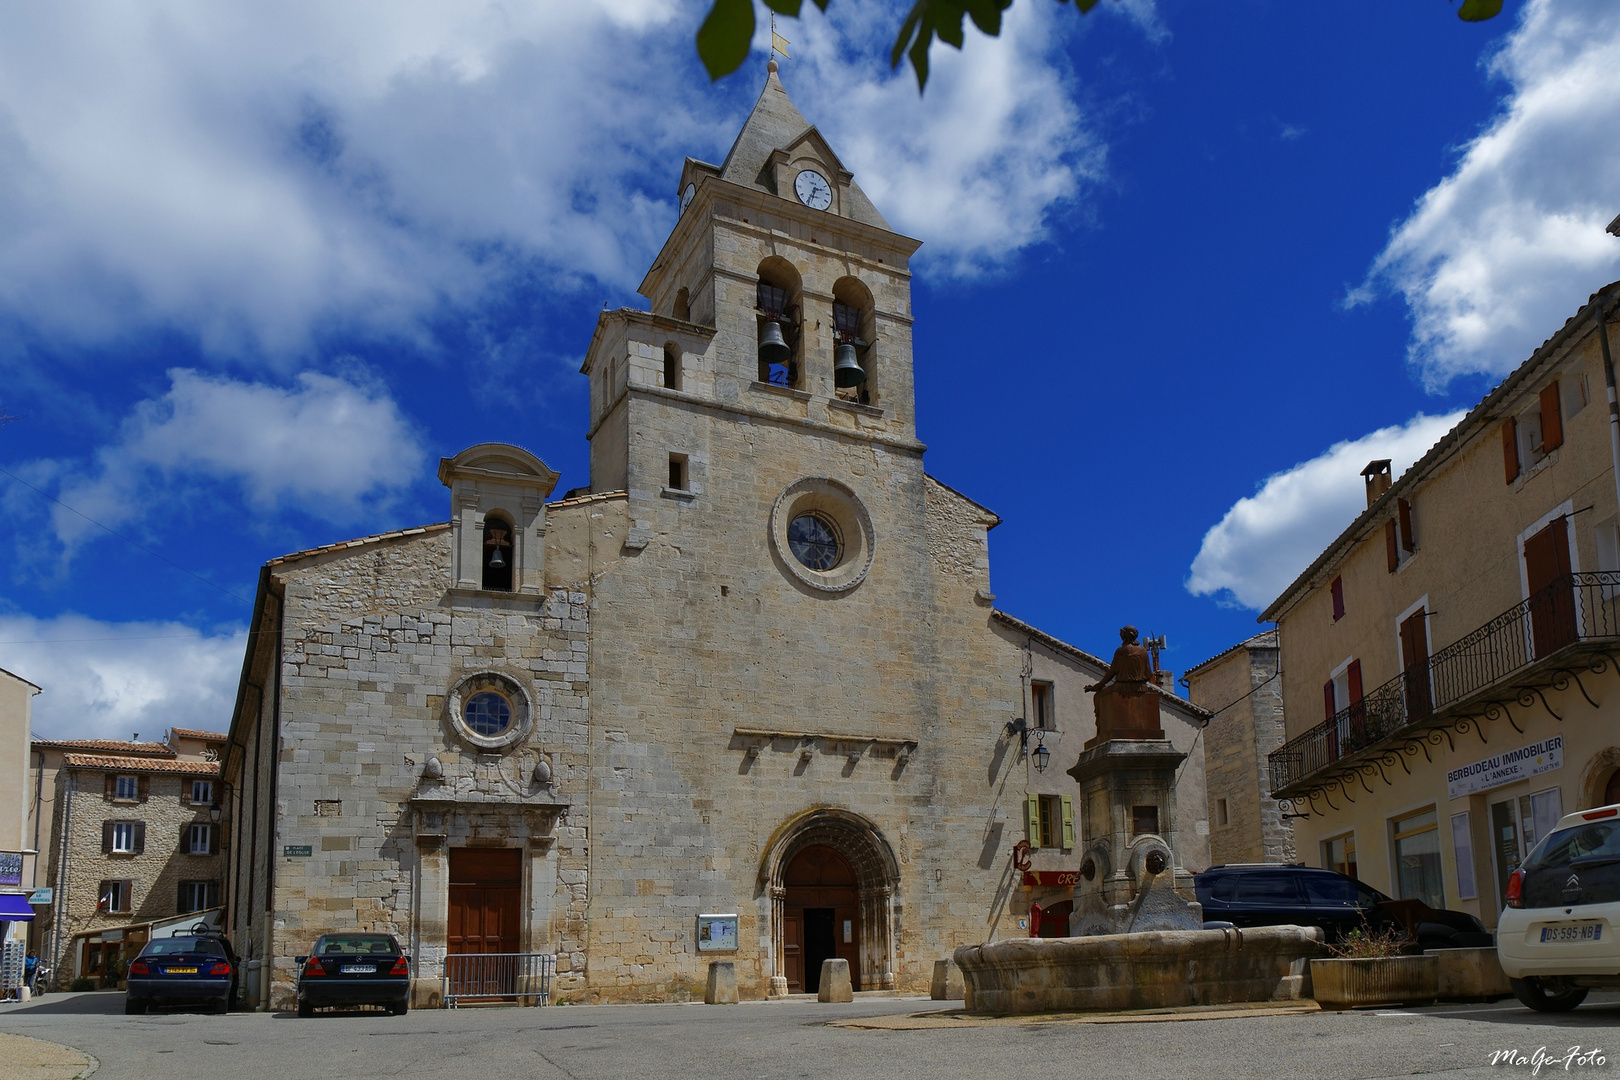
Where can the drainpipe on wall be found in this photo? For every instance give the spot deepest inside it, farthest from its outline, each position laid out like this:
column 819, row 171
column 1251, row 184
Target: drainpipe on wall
column 1614, row 406
column 59, row 898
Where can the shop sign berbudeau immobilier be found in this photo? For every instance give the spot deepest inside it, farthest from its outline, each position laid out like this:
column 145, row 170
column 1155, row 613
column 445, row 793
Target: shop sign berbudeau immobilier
column 1504, row 768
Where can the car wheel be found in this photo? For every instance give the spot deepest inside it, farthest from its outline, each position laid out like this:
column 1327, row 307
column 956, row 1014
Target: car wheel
column 1548, row 995
column 305, row 1009
column 221, row 1007
column 134, row 1006
column 401, row 1008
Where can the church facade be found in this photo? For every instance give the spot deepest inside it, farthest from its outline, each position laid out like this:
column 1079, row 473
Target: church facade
column 745, row 697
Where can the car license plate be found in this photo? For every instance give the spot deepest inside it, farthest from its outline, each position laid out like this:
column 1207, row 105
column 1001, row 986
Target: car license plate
column 182, row 971
column 1573, row 932
column 359, row 969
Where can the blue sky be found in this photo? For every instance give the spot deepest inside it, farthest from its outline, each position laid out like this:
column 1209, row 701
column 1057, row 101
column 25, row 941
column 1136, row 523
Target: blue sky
column 1187, row 267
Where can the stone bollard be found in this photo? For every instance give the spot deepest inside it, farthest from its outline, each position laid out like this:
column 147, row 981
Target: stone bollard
column 835, row 981
column 947, row 984
column 722, row 985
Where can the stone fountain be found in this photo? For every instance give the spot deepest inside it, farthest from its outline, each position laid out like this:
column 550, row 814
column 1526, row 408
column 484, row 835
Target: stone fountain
column 1139, row 939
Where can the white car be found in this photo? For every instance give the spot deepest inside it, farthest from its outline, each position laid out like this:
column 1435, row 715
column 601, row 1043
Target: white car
column 1559, row 935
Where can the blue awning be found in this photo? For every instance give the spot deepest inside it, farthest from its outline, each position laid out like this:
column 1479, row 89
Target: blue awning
column 14, row 908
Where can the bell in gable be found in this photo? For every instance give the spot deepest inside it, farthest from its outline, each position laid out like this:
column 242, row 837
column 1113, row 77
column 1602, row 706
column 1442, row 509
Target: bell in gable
column 847, row 370
column 773, row 348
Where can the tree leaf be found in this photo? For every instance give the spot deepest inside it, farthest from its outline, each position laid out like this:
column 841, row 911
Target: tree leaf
column 788, row 7
column 1479, row 10
column 986, row 14
column 723, row 39
column 908, row 30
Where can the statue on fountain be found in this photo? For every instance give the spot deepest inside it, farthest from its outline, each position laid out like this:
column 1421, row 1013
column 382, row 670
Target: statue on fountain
column 1127, row 704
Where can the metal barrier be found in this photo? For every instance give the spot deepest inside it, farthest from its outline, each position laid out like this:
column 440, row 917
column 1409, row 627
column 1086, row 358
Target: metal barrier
column 524, row 978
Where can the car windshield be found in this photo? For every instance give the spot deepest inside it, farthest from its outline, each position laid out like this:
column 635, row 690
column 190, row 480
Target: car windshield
column 356, row 945
column 1577, row 842
column 175, row 945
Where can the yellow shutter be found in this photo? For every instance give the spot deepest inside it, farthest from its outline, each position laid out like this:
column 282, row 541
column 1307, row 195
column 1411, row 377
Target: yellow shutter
column 1032, row 815
column 1068, row 822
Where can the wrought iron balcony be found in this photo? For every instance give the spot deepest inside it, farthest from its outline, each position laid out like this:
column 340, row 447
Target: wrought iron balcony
column 1537, row 643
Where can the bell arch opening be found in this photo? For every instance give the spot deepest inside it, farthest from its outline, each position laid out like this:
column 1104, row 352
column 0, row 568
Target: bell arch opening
column 836, row 864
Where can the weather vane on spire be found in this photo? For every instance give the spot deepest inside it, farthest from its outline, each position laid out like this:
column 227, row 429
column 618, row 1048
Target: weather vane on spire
column 779, row 44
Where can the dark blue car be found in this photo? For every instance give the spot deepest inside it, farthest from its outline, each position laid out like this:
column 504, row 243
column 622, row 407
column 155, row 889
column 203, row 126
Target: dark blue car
column 354, row 969
column 187, row 969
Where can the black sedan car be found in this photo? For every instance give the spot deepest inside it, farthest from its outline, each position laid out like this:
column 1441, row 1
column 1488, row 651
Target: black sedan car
column 1264, row 894
column 187, row 969
column 354, row 969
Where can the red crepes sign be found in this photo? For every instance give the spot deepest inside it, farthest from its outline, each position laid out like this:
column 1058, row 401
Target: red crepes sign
column 1060, row 878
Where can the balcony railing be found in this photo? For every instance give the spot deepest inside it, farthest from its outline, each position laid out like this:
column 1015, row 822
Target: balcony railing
column 1574, row 609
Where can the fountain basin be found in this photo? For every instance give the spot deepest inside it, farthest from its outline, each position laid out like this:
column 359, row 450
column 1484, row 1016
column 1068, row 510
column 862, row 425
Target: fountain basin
column 1154, row 970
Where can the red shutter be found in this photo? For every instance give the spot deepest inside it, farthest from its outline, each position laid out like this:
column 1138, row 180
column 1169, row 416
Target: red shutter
column 1552, row 420
column 140, row 838
column 1353, row 676
column 141, row 786
column 1337, row 590
column 1403, row 510
column 111, row 781
column 1392, row 552
column 1510, row 449
column 1329, row 705
column 106, row 837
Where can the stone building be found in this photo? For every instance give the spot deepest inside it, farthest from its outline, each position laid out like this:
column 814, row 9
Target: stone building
column 1451, row 656
column 135, row 838
column 1242, row 689
column 745, row 696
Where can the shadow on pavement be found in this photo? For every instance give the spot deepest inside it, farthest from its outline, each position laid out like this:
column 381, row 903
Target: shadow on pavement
column 93, row 1003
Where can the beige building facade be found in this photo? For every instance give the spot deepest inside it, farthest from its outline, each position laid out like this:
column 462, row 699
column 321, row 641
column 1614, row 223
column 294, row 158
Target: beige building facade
column 1242, row 690
column 744, row 697
column 1451, row 659
column 135, row 834
column 17, row 849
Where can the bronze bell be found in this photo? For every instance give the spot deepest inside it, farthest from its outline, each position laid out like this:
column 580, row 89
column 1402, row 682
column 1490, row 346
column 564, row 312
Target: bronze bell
column 847, row 370
column 773, row 348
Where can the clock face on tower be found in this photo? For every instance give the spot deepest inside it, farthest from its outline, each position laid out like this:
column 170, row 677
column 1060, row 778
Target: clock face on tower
column 813, row 190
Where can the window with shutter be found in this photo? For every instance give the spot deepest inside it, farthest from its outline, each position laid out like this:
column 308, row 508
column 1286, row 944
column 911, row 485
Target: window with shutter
column 1552, row 419
column 106, row 837
column 1330, row 700
column 143, row 786
column 1392, row 550
column 1032, row 819
column 1403, row 511
column 1068, row 821
column 140, row 838
column 1510, row 449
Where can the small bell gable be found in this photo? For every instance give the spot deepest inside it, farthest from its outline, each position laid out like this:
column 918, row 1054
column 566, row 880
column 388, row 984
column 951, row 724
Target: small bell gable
column 497, row 518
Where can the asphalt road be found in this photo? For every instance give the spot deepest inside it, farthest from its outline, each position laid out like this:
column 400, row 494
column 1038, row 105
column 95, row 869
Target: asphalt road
column 793, row 1039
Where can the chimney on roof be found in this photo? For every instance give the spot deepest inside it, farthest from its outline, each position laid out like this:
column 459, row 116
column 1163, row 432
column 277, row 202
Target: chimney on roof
column 1378, row 479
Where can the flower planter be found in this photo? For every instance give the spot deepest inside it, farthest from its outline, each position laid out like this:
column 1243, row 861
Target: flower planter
column 1383, row 980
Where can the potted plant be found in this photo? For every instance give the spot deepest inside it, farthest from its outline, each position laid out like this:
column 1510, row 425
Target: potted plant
column 1371, row 968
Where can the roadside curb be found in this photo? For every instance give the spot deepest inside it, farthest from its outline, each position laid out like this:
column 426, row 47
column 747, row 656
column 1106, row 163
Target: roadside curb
column 26, row 1058
column 958, row 1018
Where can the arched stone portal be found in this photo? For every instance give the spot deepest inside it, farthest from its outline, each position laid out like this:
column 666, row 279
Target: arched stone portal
column 859, row 844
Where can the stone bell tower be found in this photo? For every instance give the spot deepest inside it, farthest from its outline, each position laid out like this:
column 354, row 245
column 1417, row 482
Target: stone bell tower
column 781, row 290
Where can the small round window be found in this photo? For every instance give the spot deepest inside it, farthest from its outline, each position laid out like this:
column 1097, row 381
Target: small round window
column 488, row 714
column 814, row 541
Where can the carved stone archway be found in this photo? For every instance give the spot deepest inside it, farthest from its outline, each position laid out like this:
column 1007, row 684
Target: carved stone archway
column 877, row 874
column 1595, row 778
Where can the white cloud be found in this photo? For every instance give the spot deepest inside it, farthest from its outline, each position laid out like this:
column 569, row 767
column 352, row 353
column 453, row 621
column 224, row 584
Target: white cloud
column 1267, row 539
column 108, row 680
column 1497, row 255
column 326, row 445
column 975, row 166
column 253, row 173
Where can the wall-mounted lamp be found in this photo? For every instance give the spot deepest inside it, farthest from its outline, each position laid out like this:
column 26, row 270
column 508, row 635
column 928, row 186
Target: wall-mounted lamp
column 1041, row 756
column 215, row 812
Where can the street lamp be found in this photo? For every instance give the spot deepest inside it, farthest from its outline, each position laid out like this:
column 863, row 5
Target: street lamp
column 1041, row 756
column 215, row 812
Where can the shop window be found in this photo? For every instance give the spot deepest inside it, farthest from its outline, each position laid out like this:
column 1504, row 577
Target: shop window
column 1040, row 706
column 498, row 553
column 1462, row 846
column 1339, row 854
column 1417, row 858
